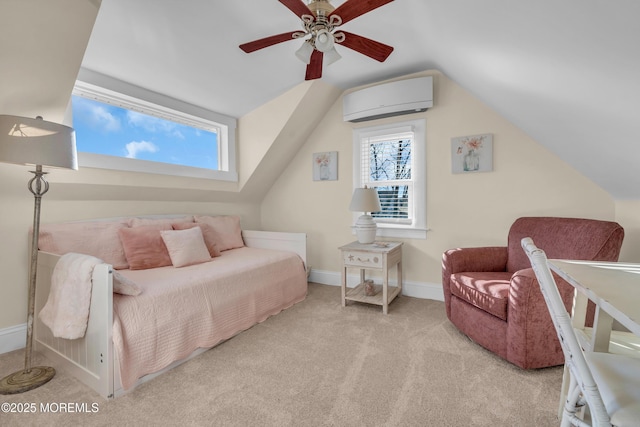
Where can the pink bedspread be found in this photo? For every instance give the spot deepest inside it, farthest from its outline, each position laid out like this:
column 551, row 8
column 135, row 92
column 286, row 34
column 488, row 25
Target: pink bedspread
column 183, row 309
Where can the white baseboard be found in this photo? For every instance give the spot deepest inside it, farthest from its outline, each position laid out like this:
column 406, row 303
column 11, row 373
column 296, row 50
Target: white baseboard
column 411, row 289
column 13, row 338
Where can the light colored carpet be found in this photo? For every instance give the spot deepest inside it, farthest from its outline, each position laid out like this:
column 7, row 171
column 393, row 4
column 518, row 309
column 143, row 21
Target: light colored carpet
column 318, row 364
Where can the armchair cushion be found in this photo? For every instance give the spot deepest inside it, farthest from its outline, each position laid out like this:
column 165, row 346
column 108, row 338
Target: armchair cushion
column 486, row 290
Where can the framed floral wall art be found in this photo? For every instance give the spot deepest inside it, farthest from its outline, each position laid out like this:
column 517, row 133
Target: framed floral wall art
column 325, row 166
column 472, row 153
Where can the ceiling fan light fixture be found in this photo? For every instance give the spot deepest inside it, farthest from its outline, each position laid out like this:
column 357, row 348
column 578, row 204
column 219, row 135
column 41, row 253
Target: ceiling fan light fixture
column 331, row 56
column 324, row 41
column 320, row 23
column 305, row 51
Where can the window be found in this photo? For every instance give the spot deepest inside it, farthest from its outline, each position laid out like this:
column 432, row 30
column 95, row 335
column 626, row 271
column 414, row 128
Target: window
column 391, row 159
column 116, row 131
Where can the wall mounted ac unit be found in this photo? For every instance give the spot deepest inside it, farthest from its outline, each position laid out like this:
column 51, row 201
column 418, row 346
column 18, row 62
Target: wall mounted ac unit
column 389, row 99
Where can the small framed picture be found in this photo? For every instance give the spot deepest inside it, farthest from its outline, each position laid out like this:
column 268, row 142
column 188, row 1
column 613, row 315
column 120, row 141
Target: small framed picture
column 472, row 153
column 325, row 166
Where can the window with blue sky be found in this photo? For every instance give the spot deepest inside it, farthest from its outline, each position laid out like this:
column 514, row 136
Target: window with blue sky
column 115, row 131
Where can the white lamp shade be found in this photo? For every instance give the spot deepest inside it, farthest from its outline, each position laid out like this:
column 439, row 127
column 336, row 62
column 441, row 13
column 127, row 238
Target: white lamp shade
column 30, row 141
column 331, row 56
column 324, row 41
column 365, row 200
column 304, row 53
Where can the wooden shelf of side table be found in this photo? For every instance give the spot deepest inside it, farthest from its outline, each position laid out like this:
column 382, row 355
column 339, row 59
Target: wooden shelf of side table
column 377, row 258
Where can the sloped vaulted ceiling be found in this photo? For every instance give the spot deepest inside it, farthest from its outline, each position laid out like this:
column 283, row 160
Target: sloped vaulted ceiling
column 566, row 72
column 41, row 48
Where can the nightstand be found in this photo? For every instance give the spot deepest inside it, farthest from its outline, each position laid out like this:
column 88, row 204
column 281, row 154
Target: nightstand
column 377, row 258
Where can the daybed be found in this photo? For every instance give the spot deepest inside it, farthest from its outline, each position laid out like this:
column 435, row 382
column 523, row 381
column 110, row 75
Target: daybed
column 181, row 310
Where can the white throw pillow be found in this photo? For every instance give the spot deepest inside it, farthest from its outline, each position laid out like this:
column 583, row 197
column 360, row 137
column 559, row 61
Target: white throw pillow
column 123, row 285
column 186, row 247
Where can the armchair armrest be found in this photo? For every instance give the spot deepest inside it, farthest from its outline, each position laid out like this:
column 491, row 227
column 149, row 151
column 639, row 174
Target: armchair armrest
column 488, row 258
column 529, row 325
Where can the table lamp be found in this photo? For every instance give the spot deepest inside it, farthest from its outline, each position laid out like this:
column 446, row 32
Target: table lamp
column 365, row 200
column 29, row 141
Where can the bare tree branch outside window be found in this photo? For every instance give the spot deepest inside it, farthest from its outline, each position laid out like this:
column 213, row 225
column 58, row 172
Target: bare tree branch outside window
column 390, row 166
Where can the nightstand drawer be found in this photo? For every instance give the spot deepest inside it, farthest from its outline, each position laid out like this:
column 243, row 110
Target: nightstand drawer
column 362, row 259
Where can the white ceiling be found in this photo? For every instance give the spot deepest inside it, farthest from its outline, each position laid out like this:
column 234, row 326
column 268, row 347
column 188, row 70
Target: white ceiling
column 566, row 72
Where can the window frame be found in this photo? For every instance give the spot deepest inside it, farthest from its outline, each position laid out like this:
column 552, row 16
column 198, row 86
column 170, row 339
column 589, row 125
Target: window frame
column 167, row 109
column 417, row 228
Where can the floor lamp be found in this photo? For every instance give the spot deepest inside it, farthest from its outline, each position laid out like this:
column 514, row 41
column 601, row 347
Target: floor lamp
column 36, row 142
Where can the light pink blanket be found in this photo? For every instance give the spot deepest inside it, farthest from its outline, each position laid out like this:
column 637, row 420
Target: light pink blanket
column 183, row 309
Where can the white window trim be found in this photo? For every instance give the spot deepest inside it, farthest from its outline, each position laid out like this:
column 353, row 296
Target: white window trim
column 418, row 229
column 104, row 89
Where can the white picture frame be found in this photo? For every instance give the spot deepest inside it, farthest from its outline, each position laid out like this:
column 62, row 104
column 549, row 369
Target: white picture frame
column 325, row 166
column 471, row 154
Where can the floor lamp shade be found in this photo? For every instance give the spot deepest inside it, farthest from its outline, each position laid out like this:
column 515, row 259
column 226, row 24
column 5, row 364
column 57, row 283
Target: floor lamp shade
column 30, row 141
column 365, row 200
column 34, row 142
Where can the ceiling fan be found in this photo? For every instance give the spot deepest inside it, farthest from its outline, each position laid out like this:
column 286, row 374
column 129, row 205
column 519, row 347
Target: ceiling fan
column 320, row 20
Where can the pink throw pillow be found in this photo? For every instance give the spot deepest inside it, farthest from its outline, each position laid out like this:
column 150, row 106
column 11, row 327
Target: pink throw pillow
column 208, row 234
column 96, row 238
column 227, row 229
column 137, row 222
column 144, row 248
column 186, row 247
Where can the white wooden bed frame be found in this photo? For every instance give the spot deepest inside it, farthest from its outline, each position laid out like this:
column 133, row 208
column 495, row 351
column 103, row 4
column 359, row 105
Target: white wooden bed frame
column 92, row 359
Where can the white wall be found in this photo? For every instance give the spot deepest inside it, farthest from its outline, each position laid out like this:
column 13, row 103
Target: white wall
column 628, row 215
column 462, row 210
column 43, row 43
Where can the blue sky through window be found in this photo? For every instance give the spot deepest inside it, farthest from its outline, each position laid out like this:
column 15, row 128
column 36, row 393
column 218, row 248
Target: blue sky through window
column 110, row 130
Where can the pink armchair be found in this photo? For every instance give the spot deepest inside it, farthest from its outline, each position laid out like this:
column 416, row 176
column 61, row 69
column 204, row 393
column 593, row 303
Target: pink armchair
column 492, row 295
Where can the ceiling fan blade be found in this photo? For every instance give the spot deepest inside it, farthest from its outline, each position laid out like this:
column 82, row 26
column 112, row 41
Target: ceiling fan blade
column 351, row 9
column 371, row 48
column 297, row 7
column 314, row 69
column 267, row 41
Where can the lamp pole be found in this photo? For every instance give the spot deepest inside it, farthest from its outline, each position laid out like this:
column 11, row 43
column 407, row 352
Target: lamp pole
column 31, row 377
